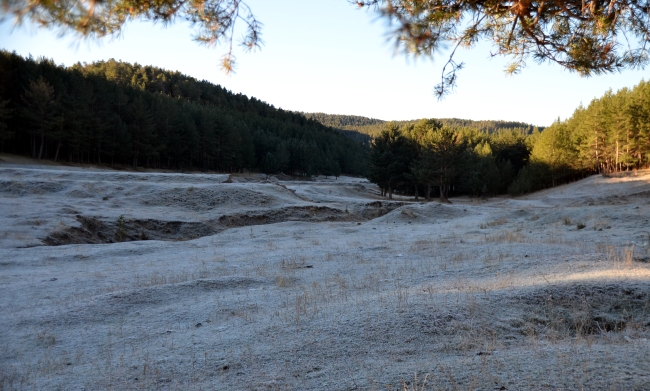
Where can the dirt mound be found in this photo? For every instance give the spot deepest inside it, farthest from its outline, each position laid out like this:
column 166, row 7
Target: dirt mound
column 21, row 188
column 201, row 199
column 622, row 199
column 421, row 213
column 294, row 213
column 94, row 230
column 312, row 213
column 570, row 310
column 554, row 313
column 596, row 187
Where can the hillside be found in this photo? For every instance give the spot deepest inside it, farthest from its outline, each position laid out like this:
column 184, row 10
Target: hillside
column 372, row 126
column 113, row 112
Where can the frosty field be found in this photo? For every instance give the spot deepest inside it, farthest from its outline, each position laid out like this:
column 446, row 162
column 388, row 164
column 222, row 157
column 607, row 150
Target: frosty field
column 114, row 280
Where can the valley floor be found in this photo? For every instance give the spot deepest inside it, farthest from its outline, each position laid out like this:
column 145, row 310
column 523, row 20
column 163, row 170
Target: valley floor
column 129, row 280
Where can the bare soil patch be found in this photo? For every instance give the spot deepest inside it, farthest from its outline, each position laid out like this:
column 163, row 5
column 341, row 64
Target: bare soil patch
column 94, row 230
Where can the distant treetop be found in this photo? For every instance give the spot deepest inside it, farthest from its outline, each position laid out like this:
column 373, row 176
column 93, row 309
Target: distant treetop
column 373, row 127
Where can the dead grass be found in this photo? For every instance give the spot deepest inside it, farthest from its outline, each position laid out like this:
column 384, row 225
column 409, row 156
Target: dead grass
column 506, row 237
column 421, row 245
column 460, row 309
column 493, row 223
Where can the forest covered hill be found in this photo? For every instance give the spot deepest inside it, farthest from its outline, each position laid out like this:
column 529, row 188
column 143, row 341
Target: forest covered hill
column 611, row 134
column 116, row 113
column 113, row 112
column 373, row 127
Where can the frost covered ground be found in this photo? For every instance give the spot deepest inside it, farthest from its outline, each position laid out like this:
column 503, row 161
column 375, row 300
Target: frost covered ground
column 242, row 283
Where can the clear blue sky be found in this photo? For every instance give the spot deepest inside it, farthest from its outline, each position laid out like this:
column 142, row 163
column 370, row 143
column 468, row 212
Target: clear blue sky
column 328, row 56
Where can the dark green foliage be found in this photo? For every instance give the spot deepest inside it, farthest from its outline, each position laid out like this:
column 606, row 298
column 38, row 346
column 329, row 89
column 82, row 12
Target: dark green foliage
column 112, row 112
column 391, row 158
column 611, row 134
column 120, row 231
column 40, row 109
column 269, row 164
column 533, row 177
column 5, row 116
column 442, row 155
column 447, row 159
column 339, row 121
column 356, row 126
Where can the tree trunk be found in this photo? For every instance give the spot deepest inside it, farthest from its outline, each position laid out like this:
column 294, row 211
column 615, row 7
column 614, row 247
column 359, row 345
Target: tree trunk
column 617, row 168
column 390, row 192
column 444, row 192
column 428, row 192
column 40, row 152
column 416, row 193
column 56, row 155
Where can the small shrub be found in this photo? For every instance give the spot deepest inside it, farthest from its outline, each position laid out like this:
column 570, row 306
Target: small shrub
column 566, row 221
column 120, row 233
column 580, row 226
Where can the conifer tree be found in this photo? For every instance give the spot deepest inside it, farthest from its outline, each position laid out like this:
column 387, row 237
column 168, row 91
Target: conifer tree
column 5, row 116
column 41, row 108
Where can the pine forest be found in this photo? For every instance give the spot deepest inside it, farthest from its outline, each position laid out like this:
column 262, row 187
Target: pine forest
column 118, row 114
column 112, row 112
column 460, row 157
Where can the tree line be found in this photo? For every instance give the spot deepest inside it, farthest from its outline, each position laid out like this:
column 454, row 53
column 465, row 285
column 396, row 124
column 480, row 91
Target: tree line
column 373, row 127
column 417, row 158
column 611, row 134
column 112, row 112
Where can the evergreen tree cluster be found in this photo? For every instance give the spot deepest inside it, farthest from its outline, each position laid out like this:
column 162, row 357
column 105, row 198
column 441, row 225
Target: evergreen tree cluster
column 112, row 112
column 612, row 134
column 373, row 127
column 425, row 156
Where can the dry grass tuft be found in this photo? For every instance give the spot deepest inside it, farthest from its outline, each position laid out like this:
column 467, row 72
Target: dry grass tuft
column 46, row 339
column 416, row 384
column 421, row 245
column 283, row 281
column 506, row 237
column 493, row 223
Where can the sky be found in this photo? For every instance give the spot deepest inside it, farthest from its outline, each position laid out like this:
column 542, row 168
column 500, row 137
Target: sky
column 329, row 56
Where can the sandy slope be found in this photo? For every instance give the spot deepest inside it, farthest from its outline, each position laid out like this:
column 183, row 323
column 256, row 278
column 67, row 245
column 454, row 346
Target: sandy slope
column 321, row 284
